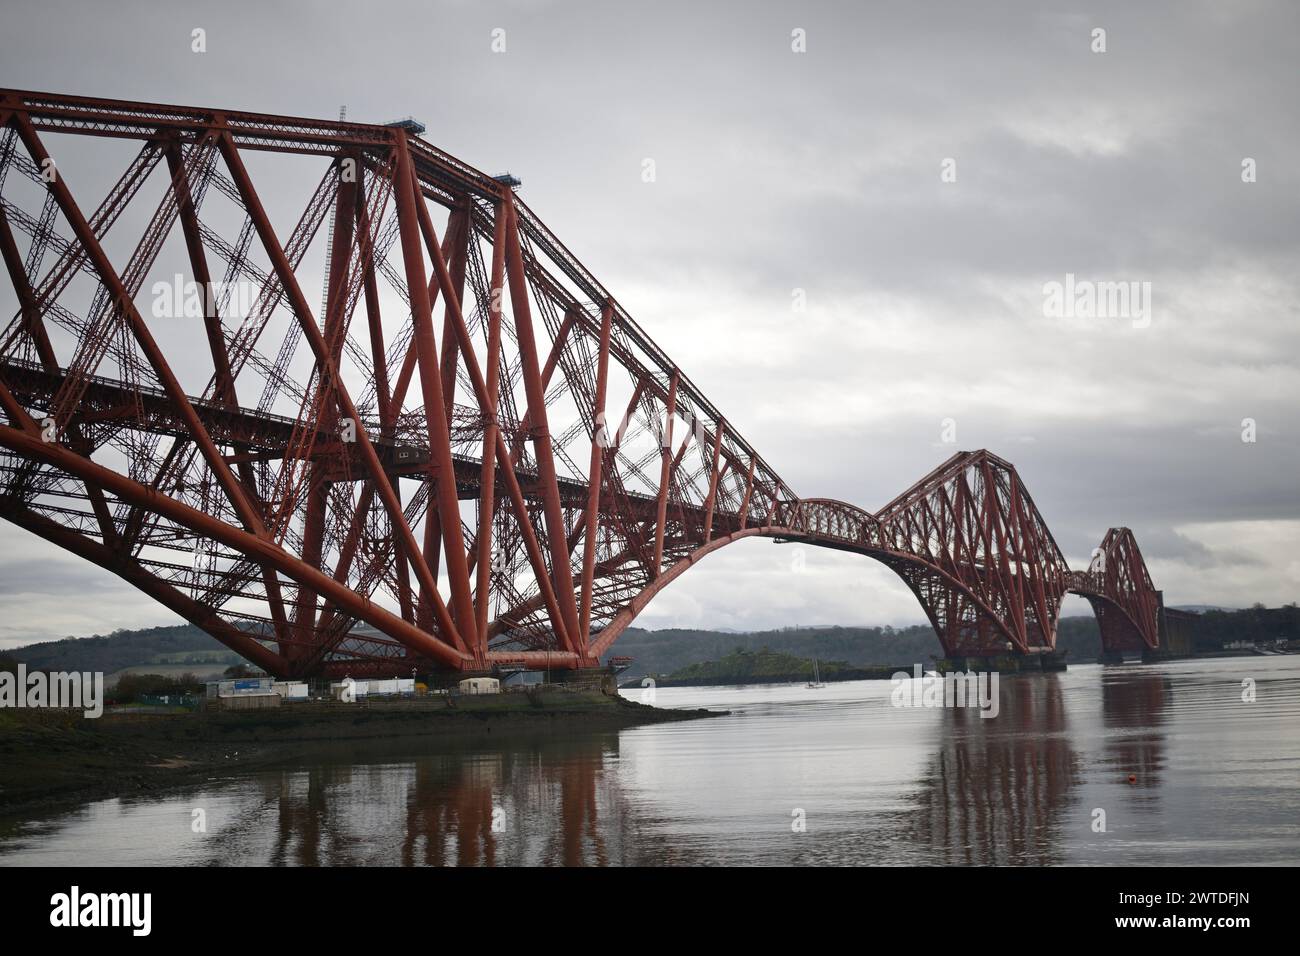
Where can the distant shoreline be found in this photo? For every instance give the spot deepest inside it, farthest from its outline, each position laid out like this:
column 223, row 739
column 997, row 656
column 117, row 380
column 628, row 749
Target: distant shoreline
column 881, row 672
column 740, row 680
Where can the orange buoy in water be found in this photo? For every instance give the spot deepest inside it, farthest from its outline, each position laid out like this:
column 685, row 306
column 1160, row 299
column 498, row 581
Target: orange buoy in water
column 1132, row 778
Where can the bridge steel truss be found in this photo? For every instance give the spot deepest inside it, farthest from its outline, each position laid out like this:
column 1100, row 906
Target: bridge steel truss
column 372, row 486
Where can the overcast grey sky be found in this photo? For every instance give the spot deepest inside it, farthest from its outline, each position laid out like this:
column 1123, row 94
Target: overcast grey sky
column 778, row 170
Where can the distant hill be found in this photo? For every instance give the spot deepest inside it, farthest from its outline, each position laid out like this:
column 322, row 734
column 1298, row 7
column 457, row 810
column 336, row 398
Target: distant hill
column 675, row 649
column 178, row 645
column 654, row 652
column 665, row 651
column 668, row 651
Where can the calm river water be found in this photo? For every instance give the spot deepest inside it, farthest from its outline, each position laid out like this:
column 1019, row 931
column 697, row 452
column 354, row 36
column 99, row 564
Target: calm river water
column 1186, row 772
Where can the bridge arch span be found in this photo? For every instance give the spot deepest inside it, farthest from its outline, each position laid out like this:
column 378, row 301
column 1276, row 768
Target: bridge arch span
column 923, row 579
column 981, row 603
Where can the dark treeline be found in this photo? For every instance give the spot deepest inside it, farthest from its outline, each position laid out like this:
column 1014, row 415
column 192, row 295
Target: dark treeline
column 1257, row 624
column 133, row 687
column 768, row 666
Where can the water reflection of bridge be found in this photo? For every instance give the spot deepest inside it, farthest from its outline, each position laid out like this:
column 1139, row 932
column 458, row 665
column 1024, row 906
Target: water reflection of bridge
column 1006, row 791
column 1012, row 790
column 995, row 790
column 553, row 802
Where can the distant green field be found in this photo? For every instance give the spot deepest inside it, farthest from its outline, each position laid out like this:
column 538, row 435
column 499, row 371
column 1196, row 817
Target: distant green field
column 217, row 656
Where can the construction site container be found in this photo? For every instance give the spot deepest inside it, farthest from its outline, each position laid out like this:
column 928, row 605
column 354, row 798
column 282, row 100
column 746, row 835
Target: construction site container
column 290, row 690
column 239, row 687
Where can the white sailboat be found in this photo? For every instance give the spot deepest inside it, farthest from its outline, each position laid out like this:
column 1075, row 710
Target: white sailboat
column 816, row 682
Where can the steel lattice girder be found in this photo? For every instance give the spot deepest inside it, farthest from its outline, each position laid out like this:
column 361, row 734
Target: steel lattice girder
column 502, row 468
column 1119, row 588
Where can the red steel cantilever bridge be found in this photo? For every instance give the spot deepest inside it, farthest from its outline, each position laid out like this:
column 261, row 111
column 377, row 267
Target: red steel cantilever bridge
column 466, row 455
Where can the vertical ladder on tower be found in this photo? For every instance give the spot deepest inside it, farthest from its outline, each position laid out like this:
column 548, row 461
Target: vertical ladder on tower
column 329, row 244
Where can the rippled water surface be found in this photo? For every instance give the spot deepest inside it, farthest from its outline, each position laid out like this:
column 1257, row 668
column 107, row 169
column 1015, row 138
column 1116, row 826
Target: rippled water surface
column 1185, row 771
